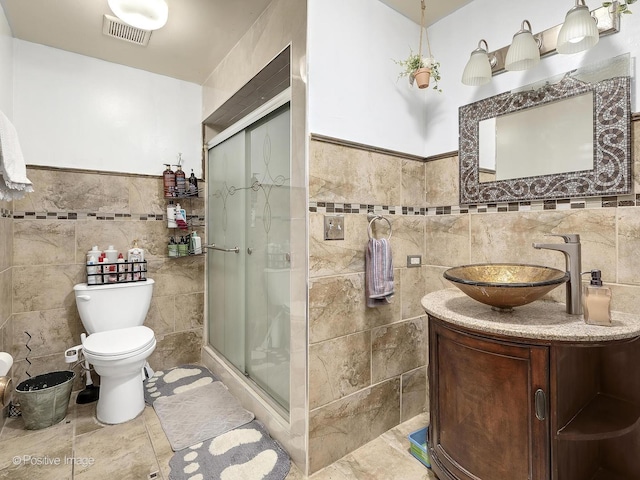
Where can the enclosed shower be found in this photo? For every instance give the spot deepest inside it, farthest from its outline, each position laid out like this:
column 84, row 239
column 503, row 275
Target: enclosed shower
column 248, row 258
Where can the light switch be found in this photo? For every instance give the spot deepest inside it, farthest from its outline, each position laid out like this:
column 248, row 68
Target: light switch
column 334, row 227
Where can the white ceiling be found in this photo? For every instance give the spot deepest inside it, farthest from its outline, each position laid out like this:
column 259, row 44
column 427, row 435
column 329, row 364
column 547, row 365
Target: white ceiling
column 196, row 37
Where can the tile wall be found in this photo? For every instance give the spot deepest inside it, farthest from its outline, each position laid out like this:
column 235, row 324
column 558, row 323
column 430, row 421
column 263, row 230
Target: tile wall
column 47, row 238
column 609, row 229
column 367, row 366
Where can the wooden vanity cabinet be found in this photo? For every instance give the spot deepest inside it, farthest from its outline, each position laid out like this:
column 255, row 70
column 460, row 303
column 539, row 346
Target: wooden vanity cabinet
column 504, row 408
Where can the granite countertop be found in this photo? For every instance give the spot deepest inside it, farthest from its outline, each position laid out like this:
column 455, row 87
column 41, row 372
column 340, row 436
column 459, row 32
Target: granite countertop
column 539, row 320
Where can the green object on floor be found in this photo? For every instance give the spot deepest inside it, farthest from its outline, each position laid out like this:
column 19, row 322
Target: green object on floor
column 419, row 447
column 44, row 399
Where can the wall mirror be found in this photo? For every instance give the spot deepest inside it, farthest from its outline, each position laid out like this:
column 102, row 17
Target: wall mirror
column 567, row 136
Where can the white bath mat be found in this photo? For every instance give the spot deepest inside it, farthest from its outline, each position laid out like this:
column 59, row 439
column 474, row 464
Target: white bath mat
column 199, row 414
column 246, row 453
column 175, row 381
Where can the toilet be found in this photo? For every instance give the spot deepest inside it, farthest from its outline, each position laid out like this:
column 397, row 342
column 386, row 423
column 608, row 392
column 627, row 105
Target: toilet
column 118, row 344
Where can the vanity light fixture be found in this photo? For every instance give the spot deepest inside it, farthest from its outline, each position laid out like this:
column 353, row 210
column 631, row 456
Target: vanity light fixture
column 524, row 52
column 579, row 31
column 478, row 69
column 142, row 14
column 606, row 21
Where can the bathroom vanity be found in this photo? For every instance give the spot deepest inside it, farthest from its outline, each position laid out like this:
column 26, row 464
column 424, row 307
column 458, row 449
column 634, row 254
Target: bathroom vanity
column 531, row 394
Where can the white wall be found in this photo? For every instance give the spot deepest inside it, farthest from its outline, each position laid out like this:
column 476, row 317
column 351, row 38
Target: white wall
column 354, row 91
column 349, row 38
column 6, row 66
column 79, row 112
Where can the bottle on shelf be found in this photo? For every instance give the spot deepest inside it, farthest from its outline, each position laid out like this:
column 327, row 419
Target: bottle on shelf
column 181, row 182
column 193, row 185
column 92, row 270
column 169, row 181
column 121, row 269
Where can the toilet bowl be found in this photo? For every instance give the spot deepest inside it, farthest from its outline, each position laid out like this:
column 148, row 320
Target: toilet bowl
column 118, row 344
column 118, row 357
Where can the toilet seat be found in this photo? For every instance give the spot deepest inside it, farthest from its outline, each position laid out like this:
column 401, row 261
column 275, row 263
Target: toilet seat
column 123, row 342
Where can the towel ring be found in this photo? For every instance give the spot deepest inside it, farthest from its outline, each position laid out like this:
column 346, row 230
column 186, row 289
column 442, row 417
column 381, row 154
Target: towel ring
column 375, row 217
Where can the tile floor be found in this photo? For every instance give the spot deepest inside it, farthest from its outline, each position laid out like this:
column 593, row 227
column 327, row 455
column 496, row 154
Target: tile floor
column 81, row 448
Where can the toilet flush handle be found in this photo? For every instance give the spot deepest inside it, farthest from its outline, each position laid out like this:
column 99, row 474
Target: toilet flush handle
column 86, row 298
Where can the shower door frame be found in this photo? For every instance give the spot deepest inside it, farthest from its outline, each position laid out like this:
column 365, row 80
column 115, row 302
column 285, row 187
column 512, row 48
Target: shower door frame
column 261, row 112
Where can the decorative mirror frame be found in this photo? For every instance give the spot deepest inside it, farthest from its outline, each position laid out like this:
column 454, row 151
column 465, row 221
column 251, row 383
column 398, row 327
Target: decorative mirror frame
column 611, row 174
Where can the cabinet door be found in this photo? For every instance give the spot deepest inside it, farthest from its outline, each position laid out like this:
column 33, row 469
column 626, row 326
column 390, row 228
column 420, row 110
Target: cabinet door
column 484, row 423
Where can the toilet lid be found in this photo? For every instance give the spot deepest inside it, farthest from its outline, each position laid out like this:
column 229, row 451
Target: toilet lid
column 118, row 342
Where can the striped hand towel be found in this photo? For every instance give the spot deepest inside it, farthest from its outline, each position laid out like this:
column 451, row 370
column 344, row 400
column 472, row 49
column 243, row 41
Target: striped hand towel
column 378, row 272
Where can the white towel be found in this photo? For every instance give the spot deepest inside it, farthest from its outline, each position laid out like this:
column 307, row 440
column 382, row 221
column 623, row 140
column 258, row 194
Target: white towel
column 14, row 183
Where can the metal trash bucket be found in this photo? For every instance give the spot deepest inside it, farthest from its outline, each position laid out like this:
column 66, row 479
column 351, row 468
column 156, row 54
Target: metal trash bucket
column 44, row 399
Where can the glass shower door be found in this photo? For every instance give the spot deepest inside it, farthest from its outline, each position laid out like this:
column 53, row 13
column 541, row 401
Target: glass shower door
column 248, row 291
column 268, row 268
column 226, row 230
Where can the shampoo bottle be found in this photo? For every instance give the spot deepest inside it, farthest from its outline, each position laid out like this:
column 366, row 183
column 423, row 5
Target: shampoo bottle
column 111, row 254
column 169, row 180
column 596, row 301
column 171, row 215
column 136, row 256
column 181, row 182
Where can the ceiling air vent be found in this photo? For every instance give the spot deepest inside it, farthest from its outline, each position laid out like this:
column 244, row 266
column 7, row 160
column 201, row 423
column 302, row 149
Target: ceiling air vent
column 114, row 27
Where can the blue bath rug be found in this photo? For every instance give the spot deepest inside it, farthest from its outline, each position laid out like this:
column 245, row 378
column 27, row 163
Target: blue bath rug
column 247, row 453
column 175, row 381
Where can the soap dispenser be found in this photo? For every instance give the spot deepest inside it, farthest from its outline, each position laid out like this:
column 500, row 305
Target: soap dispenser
column 596, row 301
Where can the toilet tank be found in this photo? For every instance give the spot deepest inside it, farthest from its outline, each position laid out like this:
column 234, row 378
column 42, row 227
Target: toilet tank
column 112, row 306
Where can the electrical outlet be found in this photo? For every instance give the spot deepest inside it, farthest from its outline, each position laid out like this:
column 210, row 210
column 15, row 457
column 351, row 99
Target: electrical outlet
column 414, row 261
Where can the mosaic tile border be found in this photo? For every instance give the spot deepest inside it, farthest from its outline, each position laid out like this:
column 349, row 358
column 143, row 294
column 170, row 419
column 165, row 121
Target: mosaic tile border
column 524, row 206
column 144, row 217
column 5, row 213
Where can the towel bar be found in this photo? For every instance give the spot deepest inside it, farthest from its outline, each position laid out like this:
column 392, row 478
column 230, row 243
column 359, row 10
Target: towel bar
column 372, row 217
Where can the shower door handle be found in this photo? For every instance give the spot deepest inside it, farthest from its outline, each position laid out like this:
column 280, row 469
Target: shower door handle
column 222, row 249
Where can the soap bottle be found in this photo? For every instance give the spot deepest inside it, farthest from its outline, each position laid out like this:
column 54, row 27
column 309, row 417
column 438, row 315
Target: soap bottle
column 169, row 180
column 596, row 301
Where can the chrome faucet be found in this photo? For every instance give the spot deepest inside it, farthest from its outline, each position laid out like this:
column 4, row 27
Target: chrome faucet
column 572, row 252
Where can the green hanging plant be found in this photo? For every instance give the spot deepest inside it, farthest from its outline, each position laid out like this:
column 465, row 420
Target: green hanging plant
column 415, row 61
column 623, row 6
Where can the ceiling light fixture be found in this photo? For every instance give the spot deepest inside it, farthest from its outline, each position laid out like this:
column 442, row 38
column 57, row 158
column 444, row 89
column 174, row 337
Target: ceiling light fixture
column 524, row 52
column 143, row 14
column 579, row 31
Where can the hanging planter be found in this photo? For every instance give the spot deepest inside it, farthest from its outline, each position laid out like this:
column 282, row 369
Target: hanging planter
column 422, row 77
column 419, row 68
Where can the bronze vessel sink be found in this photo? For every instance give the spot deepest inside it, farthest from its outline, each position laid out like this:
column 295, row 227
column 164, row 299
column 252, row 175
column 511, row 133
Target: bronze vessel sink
column 505, row 285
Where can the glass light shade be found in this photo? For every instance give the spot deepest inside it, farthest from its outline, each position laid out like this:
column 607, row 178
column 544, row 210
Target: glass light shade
column 523, row 53
column 478, row 69
column 579, row 31
column 143, row 14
